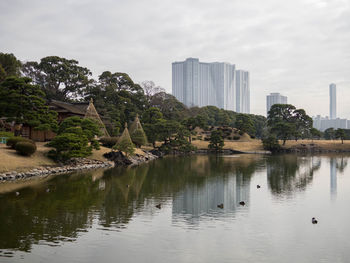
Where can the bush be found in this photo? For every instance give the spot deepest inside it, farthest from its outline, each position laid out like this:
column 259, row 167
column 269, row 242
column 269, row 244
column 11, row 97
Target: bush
column 6, row 134
column 11, row 142
column 240, row 132
column 25, row 148
column 236, row 138
column 109, row 141
column 69, row 145
column 270, row 143
column 252, row 136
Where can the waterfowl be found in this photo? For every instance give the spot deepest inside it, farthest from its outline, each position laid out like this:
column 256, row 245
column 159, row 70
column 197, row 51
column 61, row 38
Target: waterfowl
column 159, row 206
column 17, row 193
column 258, row 186
column 221, row 206
column 242, row 203
column 314, row 221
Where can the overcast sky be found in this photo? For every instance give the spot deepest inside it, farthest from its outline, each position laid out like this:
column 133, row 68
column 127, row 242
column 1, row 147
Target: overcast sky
column 294, row 47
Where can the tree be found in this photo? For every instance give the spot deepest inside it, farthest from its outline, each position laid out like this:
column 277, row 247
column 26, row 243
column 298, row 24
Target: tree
column 124, row 143
column 9, row 66
column 193, row 122
column 329, row 134
column 340, row 133
column 245, row 123
column 286, row 121
column 315, row 133
column 216, row 141
column 150, row 118
column 24, row 103
column 150, row 89
column 270, row 143
column 60, row 78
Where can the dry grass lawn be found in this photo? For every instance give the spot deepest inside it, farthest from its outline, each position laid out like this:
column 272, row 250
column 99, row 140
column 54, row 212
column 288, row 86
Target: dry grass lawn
column 11, row 161
column 324, row 144
column 243, row 146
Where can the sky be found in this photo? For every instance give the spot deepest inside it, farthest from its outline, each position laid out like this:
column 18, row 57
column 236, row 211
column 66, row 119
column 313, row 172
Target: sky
column 294, row 47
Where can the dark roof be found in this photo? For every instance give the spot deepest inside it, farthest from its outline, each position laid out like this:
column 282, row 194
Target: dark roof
column 78, row 108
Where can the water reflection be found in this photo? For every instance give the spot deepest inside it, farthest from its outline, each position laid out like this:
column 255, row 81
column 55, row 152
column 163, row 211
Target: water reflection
column 194, row 186
column 287, row 174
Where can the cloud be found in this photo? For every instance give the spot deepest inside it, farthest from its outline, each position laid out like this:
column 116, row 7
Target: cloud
column 293, row 47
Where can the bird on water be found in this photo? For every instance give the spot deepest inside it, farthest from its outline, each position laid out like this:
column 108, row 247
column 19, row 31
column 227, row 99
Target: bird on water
column 159, row 206
column 242, row 203
column 314, row 221
column 258, row 186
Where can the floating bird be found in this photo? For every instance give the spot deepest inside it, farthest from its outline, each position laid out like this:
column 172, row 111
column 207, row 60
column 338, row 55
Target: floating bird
column 242, row 203
column 17, row 193
column 258, row 186
column 221, row 206
column 159, row 206
column 314, row 221
column 47, row 190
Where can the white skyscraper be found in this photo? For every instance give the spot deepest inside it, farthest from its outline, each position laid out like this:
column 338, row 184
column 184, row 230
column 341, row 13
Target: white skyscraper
column 242, row 91
column 200, row 84
column 332, row 101
column 274, row 98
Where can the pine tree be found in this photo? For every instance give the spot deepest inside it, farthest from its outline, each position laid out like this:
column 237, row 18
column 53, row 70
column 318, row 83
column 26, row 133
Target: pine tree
column 138, row 135
column 124, row 143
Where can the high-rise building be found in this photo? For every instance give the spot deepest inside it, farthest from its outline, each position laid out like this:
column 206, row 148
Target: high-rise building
column 242, row 91
column 332, row 101
column 274, row 98
column 201, row 84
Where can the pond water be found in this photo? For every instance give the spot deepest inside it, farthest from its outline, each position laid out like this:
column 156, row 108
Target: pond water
column 111, row 215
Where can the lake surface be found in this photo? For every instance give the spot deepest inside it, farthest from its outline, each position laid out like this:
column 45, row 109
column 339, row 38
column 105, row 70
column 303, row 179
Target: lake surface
column 111, row 215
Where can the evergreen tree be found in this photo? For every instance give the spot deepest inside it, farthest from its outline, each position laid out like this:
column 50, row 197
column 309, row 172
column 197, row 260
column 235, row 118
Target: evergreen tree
column 216, row 141
column 124, row 143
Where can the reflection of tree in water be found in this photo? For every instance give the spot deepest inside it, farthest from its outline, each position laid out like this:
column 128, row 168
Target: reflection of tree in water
column 288, row 173
column 341, row 163
column 74, row 201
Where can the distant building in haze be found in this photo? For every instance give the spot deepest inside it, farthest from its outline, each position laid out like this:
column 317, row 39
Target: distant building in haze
column 201, row 84
column 274, row 98
column 332, row 101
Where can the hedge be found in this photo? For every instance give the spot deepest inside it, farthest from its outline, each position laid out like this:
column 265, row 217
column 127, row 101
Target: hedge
column 25, row 148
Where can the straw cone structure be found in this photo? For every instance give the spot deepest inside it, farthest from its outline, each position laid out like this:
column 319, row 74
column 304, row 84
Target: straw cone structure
column 92, row 114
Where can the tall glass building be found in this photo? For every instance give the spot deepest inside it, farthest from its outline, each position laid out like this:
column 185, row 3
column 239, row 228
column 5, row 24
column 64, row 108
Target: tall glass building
column 332, row 101
column 274, row 98
column 201, row 84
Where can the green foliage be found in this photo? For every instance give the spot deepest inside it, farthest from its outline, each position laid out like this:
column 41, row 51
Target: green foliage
column 340, row 133
column 88, row 127
column 12, row 141
column 315, row 133
column 138, row 137
column 236, row 138
column 69, row 145
column 270, row 143
column 285, row 121
column 6, row 134
column 24, row 103
column 245, row 124
column 109, row 141
column 9, row 66
column 150, row 118
column 60, row 78
column 25, row 148
column 124, row 143
column 329, row 134
column 216, row 141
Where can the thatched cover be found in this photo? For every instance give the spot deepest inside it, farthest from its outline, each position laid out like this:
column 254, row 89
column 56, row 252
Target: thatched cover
column 136, row 125
column 92, row 114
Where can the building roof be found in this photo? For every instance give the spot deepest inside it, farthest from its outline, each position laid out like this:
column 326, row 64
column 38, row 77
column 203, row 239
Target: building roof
column 78, row 108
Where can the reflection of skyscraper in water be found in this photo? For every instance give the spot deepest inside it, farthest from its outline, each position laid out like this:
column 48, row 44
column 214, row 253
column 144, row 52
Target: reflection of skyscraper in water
column 202, row 199
column 333, row 177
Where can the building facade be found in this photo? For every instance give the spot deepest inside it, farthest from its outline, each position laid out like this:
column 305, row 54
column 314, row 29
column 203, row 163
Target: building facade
column 195, row 83
column 333, row 101
column 274, row 98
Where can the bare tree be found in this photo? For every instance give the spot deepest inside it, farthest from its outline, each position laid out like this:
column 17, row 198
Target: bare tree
column 151, row 89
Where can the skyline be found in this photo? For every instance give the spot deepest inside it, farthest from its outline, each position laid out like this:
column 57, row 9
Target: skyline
column 296, row 48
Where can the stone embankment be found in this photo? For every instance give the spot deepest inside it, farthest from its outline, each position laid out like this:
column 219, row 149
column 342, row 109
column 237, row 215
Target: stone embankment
column 121, row 159
column 75, row 164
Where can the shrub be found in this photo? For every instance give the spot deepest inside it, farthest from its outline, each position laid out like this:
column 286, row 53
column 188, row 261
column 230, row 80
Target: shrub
column 25, row 148
column 236, row 138
column 6, row 134
column 270, row 143
column 69, row 145
column 11, row 142
column 199, row 137
column 240, row 132
column 252, row 136
column 109, row 141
